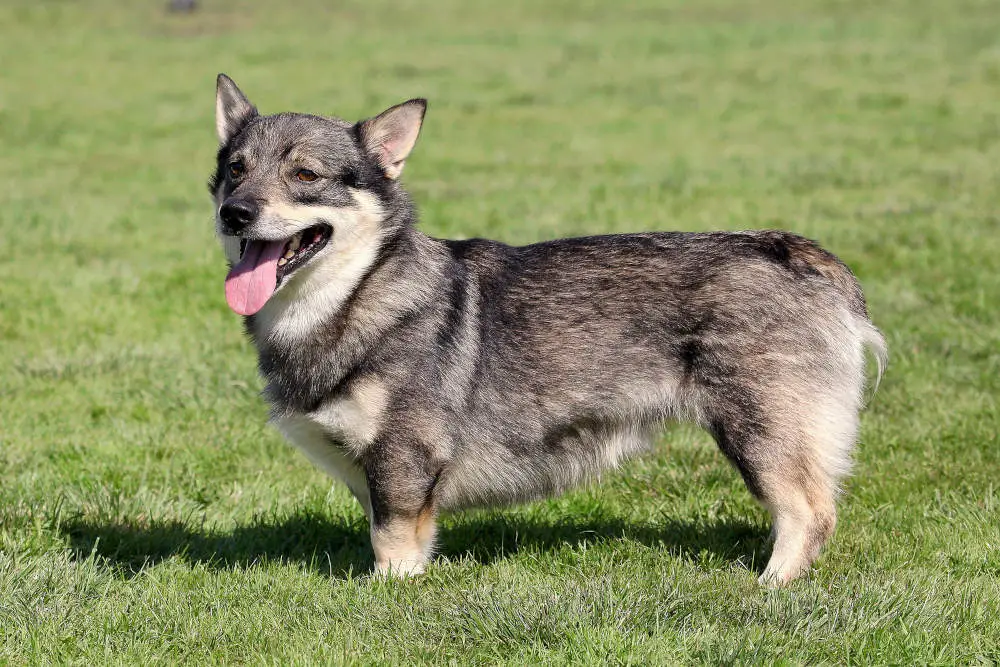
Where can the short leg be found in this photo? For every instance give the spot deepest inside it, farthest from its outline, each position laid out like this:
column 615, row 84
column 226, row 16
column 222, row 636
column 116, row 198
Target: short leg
column 795, row 474
column 804, row 518
column 403, row 516
column 403, row 544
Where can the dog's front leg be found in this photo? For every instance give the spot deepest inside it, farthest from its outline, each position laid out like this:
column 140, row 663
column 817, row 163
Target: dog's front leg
column 402, row 544
column 403, row 516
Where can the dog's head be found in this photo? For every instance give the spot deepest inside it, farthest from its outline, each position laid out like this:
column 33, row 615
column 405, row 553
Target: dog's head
column 285, row 185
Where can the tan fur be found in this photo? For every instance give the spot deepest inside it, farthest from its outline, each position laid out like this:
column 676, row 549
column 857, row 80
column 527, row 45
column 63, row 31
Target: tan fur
column 402, row 545
column 354, row 419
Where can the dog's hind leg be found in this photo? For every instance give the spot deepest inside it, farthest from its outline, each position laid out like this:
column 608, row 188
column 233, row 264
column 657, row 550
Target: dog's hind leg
column 792, row 464
column 804, row 516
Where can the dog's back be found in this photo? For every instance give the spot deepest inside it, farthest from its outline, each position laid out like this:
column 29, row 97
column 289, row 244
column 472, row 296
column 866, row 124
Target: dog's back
column 586, row 345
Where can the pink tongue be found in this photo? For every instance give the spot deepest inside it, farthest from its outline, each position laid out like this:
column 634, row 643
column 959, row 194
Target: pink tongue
column 251, row 282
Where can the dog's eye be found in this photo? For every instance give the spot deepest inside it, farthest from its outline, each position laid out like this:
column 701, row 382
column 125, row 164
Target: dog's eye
column 236, row 169
column 306, row 175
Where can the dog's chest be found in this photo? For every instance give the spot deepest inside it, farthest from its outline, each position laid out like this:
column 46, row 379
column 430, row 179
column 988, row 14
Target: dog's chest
column 333, row 437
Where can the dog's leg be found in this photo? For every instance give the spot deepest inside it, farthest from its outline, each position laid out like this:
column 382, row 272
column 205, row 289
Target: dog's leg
column 804, row 517
column 794, row 471
column 403, row 514
column 403, row 544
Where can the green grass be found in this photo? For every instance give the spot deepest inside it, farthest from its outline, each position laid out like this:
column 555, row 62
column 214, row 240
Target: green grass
column 147, row 512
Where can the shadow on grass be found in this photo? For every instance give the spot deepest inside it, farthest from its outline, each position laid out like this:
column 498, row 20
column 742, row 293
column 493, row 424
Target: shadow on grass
column 490, row 537
column 325, row 545
column 338, row 548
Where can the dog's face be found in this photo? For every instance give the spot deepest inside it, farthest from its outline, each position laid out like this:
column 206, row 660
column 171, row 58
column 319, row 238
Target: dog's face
column 288, row 184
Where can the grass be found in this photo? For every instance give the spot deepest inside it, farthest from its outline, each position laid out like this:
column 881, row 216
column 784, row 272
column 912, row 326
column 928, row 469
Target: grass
column 148, row 514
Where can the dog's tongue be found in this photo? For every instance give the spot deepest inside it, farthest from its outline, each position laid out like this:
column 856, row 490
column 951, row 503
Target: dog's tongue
column 252, row 281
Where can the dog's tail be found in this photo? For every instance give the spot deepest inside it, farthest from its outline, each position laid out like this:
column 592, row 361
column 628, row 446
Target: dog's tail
column 871, row 338
column 874, row 341
column 816, row 259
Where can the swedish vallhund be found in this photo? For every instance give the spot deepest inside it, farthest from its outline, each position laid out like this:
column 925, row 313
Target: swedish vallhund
column 431, row 375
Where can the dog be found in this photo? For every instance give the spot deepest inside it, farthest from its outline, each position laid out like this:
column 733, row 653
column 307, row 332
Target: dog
column 432, row 375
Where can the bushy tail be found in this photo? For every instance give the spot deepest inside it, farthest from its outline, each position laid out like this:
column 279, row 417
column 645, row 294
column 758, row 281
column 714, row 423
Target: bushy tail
column 807, row 257
column 873, row 339
column 834, row 270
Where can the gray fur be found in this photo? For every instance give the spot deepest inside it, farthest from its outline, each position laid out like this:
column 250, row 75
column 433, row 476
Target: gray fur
column 445, row 374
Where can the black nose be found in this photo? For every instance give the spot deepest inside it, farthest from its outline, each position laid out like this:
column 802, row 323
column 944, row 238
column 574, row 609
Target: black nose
column 238, row 213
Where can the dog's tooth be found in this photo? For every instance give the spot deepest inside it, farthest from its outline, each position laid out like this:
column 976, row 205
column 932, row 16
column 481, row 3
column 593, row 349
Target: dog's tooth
column 289, row 254
column 282, row 261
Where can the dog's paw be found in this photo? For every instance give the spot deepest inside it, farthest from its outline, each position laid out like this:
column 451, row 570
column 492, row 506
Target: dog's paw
column 778, row 576
column 399, row 569
column 772, row 579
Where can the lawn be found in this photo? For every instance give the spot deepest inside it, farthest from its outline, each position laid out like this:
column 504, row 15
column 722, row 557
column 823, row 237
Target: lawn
column 147, row 513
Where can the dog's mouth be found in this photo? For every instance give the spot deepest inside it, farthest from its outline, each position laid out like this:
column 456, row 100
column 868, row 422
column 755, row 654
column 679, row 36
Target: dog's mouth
column 264, row 264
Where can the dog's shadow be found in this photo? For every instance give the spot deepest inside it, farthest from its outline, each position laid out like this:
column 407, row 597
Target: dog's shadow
column 318, row 542
column 337, row 548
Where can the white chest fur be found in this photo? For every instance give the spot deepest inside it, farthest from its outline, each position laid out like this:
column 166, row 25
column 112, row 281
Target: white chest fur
column 332, row 437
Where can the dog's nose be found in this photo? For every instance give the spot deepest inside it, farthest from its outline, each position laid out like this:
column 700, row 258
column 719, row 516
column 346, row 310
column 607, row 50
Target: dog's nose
column 238, row 213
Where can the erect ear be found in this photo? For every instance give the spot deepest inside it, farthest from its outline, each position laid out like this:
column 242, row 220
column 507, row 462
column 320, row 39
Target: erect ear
column 232, row 109
column 390, row 136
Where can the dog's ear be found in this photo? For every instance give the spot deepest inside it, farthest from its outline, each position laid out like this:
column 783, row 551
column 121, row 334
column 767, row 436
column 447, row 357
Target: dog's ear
column 390, row 136
column 232, row 109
